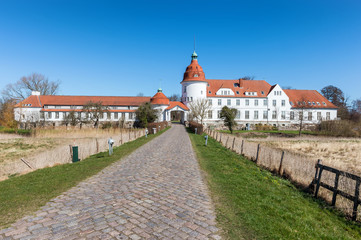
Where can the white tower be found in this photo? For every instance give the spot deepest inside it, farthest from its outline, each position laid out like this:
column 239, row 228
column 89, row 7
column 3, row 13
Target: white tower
column 194, row 83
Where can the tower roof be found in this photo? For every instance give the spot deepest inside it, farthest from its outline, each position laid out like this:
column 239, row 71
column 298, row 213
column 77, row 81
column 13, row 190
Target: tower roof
column 159, row 98
column 194, row 71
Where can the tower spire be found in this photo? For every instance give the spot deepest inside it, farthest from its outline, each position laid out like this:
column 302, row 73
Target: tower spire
column 194, row 55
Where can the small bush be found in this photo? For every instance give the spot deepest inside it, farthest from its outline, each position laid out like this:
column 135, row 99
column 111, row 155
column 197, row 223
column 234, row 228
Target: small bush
column 158, row 125
column 106, row 125
column 339, row 128
column 25, row 132
column 194, row 125
column 265, row 127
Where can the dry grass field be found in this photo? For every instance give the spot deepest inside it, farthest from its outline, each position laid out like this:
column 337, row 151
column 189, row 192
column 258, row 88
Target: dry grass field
column 13, row 147
column 342, row 153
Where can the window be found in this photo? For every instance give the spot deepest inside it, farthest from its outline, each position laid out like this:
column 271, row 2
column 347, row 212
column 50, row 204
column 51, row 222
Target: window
column 247, row 102
column 291, row 103
column 328, row 116
column 50, row 115
column 185, row 89
column 210, row 114
column 274, row 114
column 209, row 92
column 191, row 99
column 109, row 115
column 324, row 104
column 237, row 92
column 265, row 102
column 283, row 115
column 238, row 116
column 42, row 115
column 219, row 102
column 123, row 115
column 238, row 102
column 229, row 102
column 187, row 99
column 219, row 113
column 255, row 115
column 57, row 115
column 313, row 103
column 319, row 116
column 201, row 92
column 309, row 116
column 283, row 103
column 116, row 116
column 131, row 115
column 265, row 114
column 300, row 116
column 210, row 102
column 247, row 115
column 195, row 75
column 256, row 102
column 262, row 92
column 292, row 115
column 274, row 102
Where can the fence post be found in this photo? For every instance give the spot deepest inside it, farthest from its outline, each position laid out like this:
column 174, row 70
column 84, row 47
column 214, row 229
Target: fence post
column 335, row 191
column 234, row 139
column 97, row 143
column 257, row 152
column 217, row 136
column 242, row 147
column 318, row 180
column 227, row 141
column 281, row 162
column 355, row 205
column 220, row 138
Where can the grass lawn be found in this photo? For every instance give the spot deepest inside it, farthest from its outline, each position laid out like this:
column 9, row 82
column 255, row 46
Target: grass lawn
column 289, row 132
column 25, row 132
column 25, row 194
column 251, row 203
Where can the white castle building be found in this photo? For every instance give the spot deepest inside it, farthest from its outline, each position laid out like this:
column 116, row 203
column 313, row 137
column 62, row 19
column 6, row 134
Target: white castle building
column 256, row 102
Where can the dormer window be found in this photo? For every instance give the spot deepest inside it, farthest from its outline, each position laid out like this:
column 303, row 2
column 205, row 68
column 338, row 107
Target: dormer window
column 318, row 104
column 324, row 103
column 313, row 103
column 195, row 75
column 262, row 92
column 291, row 103
column 209, row 92
column 235, row 84
column 207, row 84
column 237, row 92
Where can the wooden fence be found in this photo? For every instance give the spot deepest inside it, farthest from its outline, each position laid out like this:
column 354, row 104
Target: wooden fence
column 300, row 169
column 355, row 198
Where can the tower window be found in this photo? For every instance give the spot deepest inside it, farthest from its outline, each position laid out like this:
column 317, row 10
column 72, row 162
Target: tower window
column 195, row 75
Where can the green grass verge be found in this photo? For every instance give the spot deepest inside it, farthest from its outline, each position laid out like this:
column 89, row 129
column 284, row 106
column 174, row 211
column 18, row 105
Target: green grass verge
column 25, row 132
column 251, row 203
column 289, row 132
column 22, row 195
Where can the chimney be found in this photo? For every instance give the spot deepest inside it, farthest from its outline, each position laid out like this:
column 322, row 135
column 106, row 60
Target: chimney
column 36, row 93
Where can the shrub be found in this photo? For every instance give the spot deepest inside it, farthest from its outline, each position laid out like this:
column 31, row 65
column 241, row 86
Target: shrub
column 265, row 127
column 339, row 128
column 194, row 125
column 158, row 125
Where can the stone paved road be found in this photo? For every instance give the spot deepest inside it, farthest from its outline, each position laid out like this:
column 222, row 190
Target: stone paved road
column 155, row 193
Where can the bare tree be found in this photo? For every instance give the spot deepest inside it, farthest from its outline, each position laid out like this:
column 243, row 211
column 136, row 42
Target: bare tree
column 248, row 77
column 95, row 111
column 302, row 109
column 174, row 97
column 140, row 94
column 199, row 109
column 34, row 82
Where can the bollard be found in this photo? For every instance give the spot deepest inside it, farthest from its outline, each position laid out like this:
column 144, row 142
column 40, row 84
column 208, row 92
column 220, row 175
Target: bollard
column 206, row 138
column 154, row 130
column 146, row 132
column 195, row 131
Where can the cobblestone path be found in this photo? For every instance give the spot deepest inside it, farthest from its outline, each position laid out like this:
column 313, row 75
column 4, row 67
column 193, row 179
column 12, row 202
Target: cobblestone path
column 155, row 193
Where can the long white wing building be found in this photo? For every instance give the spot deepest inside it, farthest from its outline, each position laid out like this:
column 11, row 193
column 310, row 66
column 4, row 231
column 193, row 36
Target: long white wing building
column 256, row 102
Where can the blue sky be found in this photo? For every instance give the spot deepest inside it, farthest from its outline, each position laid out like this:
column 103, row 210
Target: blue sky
column 121, row 48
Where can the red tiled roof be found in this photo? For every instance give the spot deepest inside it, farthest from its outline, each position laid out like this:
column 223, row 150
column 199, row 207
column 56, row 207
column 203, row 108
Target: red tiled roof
column 312, row 98
column 179, row 104
column 80, row 110
column 56, row 100
column 33, row 100
column 159, row 99
column 240, row 85
column 194, row 72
